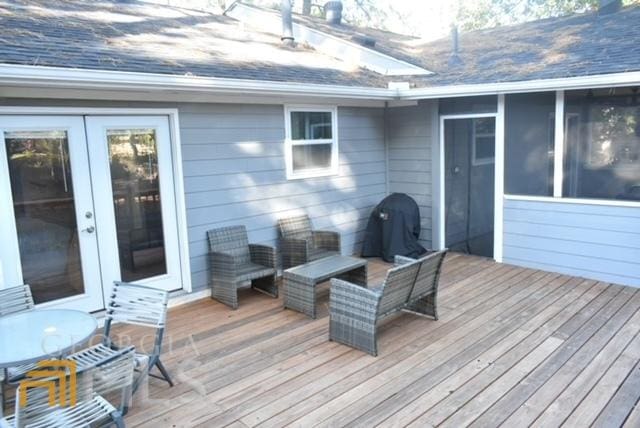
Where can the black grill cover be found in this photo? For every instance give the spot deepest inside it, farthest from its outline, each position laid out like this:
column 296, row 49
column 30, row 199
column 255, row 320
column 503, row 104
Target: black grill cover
column 394, row 229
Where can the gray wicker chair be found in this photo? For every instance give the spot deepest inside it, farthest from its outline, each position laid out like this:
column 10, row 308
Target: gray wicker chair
column 90, row 407
column 15, row 299
column 355, row 311
column 300, row 244
column 234, row 262
column 424, row 296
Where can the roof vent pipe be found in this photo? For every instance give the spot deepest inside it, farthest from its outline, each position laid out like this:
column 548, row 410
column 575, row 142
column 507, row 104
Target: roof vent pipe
column 333, row 12
column 455, row 47
column 609, row 6
column 287, row 23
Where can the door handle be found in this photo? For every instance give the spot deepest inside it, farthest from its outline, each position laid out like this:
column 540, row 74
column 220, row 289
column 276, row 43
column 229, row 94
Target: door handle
column 89, row 229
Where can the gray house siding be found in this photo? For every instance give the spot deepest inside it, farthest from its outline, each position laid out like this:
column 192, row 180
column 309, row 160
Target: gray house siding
column 411, row 138
column 593, row 241
column 234, row 172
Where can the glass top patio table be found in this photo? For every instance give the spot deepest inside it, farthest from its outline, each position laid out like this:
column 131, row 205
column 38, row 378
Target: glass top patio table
column 31, row 336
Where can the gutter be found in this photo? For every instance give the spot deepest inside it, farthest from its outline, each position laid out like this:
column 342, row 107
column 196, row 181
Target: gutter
column 630, row 78
column 55, row 77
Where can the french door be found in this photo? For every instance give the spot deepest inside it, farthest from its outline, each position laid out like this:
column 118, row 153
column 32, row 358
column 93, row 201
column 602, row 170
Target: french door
column 85, row 201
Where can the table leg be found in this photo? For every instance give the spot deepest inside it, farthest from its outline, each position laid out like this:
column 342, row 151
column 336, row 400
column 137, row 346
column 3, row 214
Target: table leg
column 356, row 276
column 4, row 379
column 300, row 296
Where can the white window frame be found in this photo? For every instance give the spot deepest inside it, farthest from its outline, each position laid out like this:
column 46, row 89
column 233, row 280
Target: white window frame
column 560, row 147
column 334, row 168
column 474, row 158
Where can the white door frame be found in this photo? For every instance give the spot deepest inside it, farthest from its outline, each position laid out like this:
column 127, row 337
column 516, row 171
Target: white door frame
column 498, row 177
column 178, row 177
column 92, row 297
column 105, row 217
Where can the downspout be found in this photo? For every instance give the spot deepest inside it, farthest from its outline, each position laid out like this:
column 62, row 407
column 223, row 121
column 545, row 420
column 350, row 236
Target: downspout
column 385, row 121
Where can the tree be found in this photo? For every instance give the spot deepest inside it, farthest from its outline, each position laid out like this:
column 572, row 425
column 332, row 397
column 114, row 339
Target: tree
column 475, row 14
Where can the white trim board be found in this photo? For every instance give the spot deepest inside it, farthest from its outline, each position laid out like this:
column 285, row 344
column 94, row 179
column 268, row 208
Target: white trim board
column 68, row 78
column 574, row 201
column 631, row 78
column 57, row 77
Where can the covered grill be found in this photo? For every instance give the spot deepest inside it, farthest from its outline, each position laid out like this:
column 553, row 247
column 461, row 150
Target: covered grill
column 393, row 229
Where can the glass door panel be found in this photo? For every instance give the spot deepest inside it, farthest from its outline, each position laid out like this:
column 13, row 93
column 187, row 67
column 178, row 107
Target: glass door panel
column 44, row 209
column 52, row 240
column 131, row 161
column 135, row 183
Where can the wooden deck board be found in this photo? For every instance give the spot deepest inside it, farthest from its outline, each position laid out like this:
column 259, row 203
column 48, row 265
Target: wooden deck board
column 511, row 344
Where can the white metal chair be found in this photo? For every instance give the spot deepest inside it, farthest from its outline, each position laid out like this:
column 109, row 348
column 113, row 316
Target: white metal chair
column 143, row 306
column 12, row 301
column 90, row 407
column 15, row 299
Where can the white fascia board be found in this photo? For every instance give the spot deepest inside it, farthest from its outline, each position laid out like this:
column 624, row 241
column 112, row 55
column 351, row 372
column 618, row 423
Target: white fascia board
column 568, row 83
column 56, row 77
column 328, row 44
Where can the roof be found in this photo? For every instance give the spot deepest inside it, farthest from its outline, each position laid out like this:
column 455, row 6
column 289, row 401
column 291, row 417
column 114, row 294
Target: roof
column 151, row 38
column 577, row 45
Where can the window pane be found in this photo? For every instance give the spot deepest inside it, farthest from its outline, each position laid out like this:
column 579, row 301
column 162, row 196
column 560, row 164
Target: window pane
column 485, row 148
column 311, row 125
column 311, row 156
column 529, row 144
column 44, row 207
column 603, row 144
column 136, row 199
column 484, row 140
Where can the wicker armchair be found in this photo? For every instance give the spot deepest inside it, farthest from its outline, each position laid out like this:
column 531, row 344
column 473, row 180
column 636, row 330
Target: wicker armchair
column 355, row 311
column 301, row 244
column 235, row 262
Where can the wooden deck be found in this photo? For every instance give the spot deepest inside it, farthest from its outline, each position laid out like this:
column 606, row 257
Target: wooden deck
column 513, row 347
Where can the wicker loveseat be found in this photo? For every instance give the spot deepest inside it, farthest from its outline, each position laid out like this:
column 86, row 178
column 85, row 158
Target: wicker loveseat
column 234, row 262
column 301, row 244
column 355, row 311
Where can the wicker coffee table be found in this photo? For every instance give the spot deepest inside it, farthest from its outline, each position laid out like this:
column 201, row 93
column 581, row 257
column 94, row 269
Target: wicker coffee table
column 300, row 281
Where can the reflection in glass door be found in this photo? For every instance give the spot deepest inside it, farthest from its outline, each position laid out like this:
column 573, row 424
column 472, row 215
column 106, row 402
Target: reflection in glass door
column 47, row 222
column 135, row 183
column 138, row 233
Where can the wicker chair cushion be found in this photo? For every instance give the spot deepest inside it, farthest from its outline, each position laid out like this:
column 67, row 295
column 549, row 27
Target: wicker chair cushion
column 231, row 240
column 249, row 271
column 296, row 227
column 319, row 253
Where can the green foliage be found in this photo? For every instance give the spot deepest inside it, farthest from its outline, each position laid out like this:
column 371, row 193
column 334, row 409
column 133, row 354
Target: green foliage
column 475, row 14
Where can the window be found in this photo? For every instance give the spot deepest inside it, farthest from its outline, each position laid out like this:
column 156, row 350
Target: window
column 529, row 143
column 311, row 142
column 484, row 141
column 602, row 153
